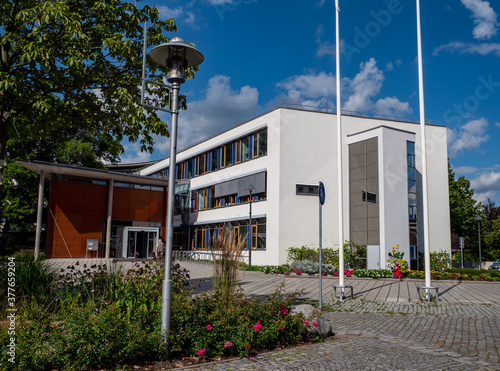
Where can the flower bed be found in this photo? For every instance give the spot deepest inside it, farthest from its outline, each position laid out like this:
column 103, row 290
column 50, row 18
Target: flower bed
column 384, row 273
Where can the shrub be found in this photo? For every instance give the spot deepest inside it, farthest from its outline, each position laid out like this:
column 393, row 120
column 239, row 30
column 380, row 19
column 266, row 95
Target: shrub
column 440, row 260
column 373, row 273
column 310, row 267
column 82, row 337
column 226, row 254
column 396, row 257
column 237, row 322
column 34, row 280
column 274, row 269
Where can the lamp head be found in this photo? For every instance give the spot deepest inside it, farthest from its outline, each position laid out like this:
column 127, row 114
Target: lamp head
column 176, row 55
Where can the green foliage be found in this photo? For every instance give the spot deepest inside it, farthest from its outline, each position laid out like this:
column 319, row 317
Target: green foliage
column 70, row 85
column 226, row 255
column 354, row 255
column 274, row 269
column 204, row 323
column 397, row 257
column 440, row 260
column 20, row 193
column 107, row 319
column 373, row 273
column 491, row 247
column 458, row 274
column 463, row 210
column 302, row 253
column 34, row 280
column 83, row 336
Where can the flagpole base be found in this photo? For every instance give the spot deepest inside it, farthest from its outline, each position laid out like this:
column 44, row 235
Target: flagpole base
column 428, row 293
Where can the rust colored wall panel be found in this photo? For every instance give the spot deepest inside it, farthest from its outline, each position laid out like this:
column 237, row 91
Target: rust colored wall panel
column 79, row 209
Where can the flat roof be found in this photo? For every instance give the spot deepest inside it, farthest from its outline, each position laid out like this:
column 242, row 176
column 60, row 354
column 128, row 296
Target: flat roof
column 57, row 170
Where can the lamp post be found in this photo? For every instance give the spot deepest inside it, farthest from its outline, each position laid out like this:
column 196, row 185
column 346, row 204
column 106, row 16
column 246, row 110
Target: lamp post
column 176, row 55
column 250, row 189
column 478, row 220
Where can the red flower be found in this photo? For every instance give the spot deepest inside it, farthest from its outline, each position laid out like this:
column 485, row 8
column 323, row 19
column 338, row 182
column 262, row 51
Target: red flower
column 209, row 327
column 283, row 309
column 257, row 327
column 201, row 351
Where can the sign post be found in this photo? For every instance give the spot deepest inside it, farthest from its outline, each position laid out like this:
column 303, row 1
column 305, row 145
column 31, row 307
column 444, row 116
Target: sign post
column 321, row 193
column 461, row 241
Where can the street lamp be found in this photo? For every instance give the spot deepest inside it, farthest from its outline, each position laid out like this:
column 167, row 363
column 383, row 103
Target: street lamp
column 250, row 189
column 177, row 55
column 478, row 220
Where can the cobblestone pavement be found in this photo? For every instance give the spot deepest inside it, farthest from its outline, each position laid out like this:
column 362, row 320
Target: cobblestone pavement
column 392, row 336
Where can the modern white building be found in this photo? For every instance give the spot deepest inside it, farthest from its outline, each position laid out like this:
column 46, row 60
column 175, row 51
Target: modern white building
column 284, row 154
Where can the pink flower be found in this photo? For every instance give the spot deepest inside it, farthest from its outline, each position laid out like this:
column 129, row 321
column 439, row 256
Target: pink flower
column 228, row 345
column 286, row 273
column 281, row 328
column 283, row 309
column 257, row 327
column 305, row 322
column 335, row 274
column 315, row 324
column 201, row 352
column 209, row 327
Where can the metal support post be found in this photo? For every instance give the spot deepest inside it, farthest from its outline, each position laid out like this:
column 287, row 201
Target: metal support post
column 166, row 305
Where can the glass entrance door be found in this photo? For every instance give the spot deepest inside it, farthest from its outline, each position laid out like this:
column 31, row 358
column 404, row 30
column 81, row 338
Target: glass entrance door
column 140, row 242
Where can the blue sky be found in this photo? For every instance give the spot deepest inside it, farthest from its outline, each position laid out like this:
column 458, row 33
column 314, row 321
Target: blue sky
column 260, row 53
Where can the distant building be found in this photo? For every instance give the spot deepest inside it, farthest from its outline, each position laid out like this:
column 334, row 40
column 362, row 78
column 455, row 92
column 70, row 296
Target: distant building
column 283, row 154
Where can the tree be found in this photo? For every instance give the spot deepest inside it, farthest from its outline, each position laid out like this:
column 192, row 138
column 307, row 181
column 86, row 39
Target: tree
column 70, row 75
column 490, row 230
column 463, row 211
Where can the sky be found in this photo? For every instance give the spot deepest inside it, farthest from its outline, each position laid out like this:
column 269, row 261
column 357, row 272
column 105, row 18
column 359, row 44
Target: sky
column 260, row 53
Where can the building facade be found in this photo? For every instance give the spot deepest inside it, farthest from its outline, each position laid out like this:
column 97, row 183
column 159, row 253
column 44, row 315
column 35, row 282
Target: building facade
column 283, row 154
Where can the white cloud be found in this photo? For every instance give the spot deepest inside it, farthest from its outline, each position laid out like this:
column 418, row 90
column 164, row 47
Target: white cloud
column 319, row 89
column 389, row 66
column 468, row 137
column 219, row 2
column 324, row 47
column 392, row 106
column 220, row 109
column 486, row 185
column 465, row 170
column 166, row 13
column 484, row 17
column 497, row 124
column 179, row 14
column 469, row 48
column 320, row 3
column 366, row 84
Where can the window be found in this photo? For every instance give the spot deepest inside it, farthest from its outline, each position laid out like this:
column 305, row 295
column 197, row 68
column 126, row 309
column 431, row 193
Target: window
column 237, row 151
column 215, row 160
column 369, row 197
column 306, row 190
column 236, row 234
column 189, row 166
column 222, row 157
column 228, row 154
column 254, row 236
column 244, row 149
column 263, row 142
column 196, row 161
column 412, row 252
column 204, row 239
column 255, row 147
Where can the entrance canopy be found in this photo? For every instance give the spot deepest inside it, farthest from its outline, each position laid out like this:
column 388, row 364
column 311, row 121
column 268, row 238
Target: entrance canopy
column 63, row 173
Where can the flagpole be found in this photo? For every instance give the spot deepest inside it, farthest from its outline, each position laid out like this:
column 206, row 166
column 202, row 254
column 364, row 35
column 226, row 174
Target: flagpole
column 424, row 158
column 339, row 156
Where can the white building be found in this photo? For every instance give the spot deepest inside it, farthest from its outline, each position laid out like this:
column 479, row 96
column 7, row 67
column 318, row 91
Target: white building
column 284, row 154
